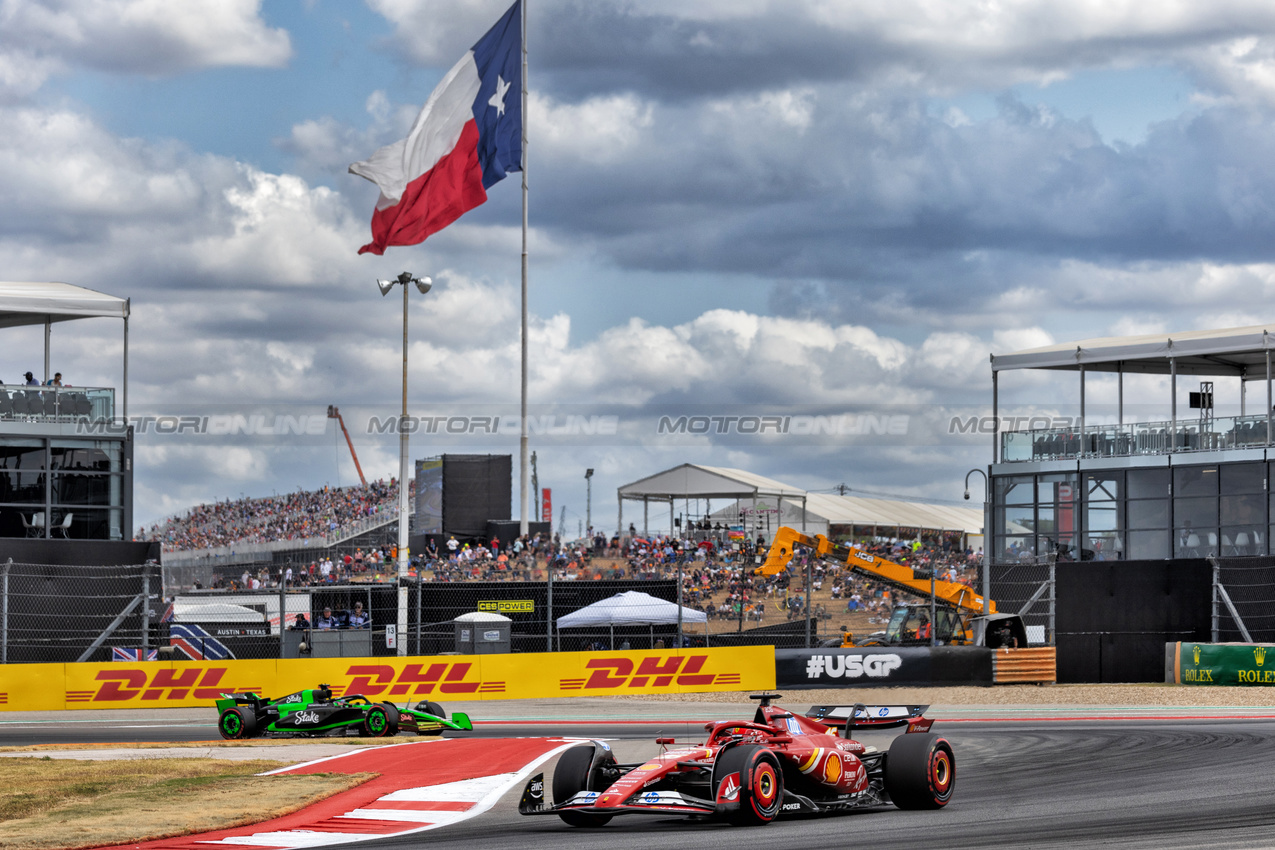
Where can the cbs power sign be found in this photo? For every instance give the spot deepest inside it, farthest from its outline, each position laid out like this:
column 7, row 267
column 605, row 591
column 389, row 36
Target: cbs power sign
column 163, row 684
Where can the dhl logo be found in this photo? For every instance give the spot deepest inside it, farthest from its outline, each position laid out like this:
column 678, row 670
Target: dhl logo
column 377, row 679
column 122, row 685
column 652, row 671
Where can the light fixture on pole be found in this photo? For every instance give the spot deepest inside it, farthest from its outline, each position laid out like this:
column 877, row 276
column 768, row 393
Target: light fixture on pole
column 987, row 535
column 423, row 284
column 588, row 502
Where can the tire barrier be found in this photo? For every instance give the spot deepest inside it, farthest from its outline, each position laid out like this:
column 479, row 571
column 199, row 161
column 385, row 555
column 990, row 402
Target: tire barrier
column 881, row 666
column 1030, row 665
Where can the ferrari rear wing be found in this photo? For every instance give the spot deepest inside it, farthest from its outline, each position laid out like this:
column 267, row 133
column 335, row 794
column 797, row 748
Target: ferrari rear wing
column 860, row 716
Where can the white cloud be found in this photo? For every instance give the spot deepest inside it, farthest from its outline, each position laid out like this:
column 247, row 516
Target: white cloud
column 133, row 37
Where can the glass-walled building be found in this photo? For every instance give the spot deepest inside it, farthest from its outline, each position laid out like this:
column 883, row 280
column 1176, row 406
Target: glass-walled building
column 1181, row 487
column 66, row 453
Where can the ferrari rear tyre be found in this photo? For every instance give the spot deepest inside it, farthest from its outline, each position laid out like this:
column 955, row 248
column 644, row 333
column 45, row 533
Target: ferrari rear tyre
column 572, row 776
column 920, row 772
column 378, row 724
column 761, row 783
column 237, row 722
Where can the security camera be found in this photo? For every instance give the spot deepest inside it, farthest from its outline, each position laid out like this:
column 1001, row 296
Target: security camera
column 967, row 495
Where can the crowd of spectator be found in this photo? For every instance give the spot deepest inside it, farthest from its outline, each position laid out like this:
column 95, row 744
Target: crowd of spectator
column 295, row 516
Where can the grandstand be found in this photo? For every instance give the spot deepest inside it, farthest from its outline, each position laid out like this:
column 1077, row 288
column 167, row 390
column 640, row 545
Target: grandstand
column 242, row 529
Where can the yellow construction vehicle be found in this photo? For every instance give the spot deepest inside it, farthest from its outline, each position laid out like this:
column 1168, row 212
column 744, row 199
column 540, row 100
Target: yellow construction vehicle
column 960, row 615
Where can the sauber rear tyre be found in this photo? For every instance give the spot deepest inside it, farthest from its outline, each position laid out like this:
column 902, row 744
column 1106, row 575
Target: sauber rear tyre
column 570, row 777
column 761, row 783
column 377, row 723
column 920, row 772
column 237, row 722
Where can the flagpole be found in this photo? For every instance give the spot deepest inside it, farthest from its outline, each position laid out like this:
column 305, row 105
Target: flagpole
column 522, row 441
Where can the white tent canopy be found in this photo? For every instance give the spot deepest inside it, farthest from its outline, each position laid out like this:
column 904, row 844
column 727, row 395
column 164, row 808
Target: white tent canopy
column 215, row 612
column 823, row 510
column 631, row 608
column 23, row 303
column 43, row 303
column 692, row 481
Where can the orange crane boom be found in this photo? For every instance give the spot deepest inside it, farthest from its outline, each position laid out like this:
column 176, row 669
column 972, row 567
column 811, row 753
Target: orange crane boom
column 953, row 593
column 335, row 413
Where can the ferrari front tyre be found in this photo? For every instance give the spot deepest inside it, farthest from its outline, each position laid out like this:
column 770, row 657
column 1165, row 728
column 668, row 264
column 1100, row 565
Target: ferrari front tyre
column 920, row 771
column 237, row 722
column 760, row 779
column 376, row 723
column 572, row 776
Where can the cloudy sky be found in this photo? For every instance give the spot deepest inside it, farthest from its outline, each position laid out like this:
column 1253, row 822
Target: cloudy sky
column 738, row 208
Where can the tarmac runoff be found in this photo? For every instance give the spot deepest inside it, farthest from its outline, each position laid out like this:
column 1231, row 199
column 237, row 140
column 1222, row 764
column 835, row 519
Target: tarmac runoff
column 601, row 716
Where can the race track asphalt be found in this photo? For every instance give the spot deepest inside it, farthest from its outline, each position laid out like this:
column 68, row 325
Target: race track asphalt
column 1158, row 785
column 1044, row 781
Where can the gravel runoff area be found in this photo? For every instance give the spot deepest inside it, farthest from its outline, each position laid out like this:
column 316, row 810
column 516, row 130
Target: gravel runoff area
column 1008, row 695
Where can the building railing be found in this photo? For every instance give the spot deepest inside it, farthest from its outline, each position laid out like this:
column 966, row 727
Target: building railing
column 1135, row 439
column 56, row 404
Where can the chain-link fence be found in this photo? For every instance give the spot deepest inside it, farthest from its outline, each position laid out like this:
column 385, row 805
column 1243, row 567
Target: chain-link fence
column 1027, row 586
column 1243, row 599
column 192, row 611
column 77, row 613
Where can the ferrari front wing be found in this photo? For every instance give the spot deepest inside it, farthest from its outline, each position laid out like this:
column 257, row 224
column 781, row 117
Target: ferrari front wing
column 643, row 802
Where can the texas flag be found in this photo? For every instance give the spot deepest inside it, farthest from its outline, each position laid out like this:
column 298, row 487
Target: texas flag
column 468, row 136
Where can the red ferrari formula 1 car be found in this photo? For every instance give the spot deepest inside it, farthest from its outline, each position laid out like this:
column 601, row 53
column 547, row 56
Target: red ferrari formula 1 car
column 752, row 772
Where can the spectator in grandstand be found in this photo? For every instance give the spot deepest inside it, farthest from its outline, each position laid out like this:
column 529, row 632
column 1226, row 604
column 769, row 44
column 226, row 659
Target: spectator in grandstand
column 327, row 621
column 301, row 623
column 30, row 380
column 358, row 619
column 55, row 381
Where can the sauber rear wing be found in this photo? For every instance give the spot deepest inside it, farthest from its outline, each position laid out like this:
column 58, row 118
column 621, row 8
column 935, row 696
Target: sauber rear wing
column 860, row 716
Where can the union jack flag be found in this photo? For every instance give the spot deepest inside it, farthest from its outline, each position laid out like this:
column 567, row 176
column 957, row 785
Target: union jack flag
column 196, row 644
column 119, row 653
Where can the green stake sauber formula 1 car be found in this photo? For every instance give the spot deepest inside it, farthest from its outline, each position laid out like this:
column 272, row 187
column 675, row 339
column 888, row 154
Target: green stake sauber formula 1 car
column 315, row 712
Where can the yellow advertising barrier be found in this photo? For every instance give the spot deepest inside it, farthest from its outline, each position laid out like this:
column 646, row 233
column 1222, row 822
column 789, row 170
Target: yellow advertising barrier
column 175, row 684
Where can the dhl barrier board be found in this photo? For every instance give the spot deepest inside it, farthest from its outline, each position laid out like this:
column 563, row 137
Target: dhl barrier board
column 174, row 684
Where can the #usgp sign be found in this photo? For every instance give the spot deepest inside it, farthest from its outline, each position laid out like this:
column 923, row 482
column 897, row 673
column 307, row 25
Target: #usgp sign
column 881, row 666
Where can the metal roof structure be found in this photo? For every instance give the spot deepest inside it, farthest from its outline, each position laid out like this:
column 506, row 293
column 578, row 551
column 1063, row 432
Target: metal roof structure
column 692, row 481
column 1240, row 352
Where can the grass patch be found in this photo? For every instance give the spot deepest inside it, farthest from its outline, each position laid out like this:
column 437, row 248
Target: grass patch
column 54, row 804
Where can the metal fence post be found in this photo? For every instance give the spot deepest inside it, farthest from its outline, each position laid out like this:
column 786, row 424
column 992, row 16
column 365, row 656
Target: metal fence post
column 679, row 603
column 934, row 623
column 1217, row 580
column 4, row 615
column 548, row 599
column 283, row 607
column 146, row 609
column 420, row 584
column 1053, row 596
column 809, row 577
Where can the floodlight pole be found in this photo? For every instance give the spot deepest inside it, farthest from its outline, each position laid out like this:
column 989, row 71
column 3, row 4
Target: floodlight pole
column 987, row 537
column 423, row 284
column 402, row 448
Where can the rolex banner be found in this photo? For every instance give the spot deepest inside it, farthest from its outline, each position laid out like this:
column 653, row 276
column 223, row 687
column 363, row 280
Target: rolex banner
column 1220, row 664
